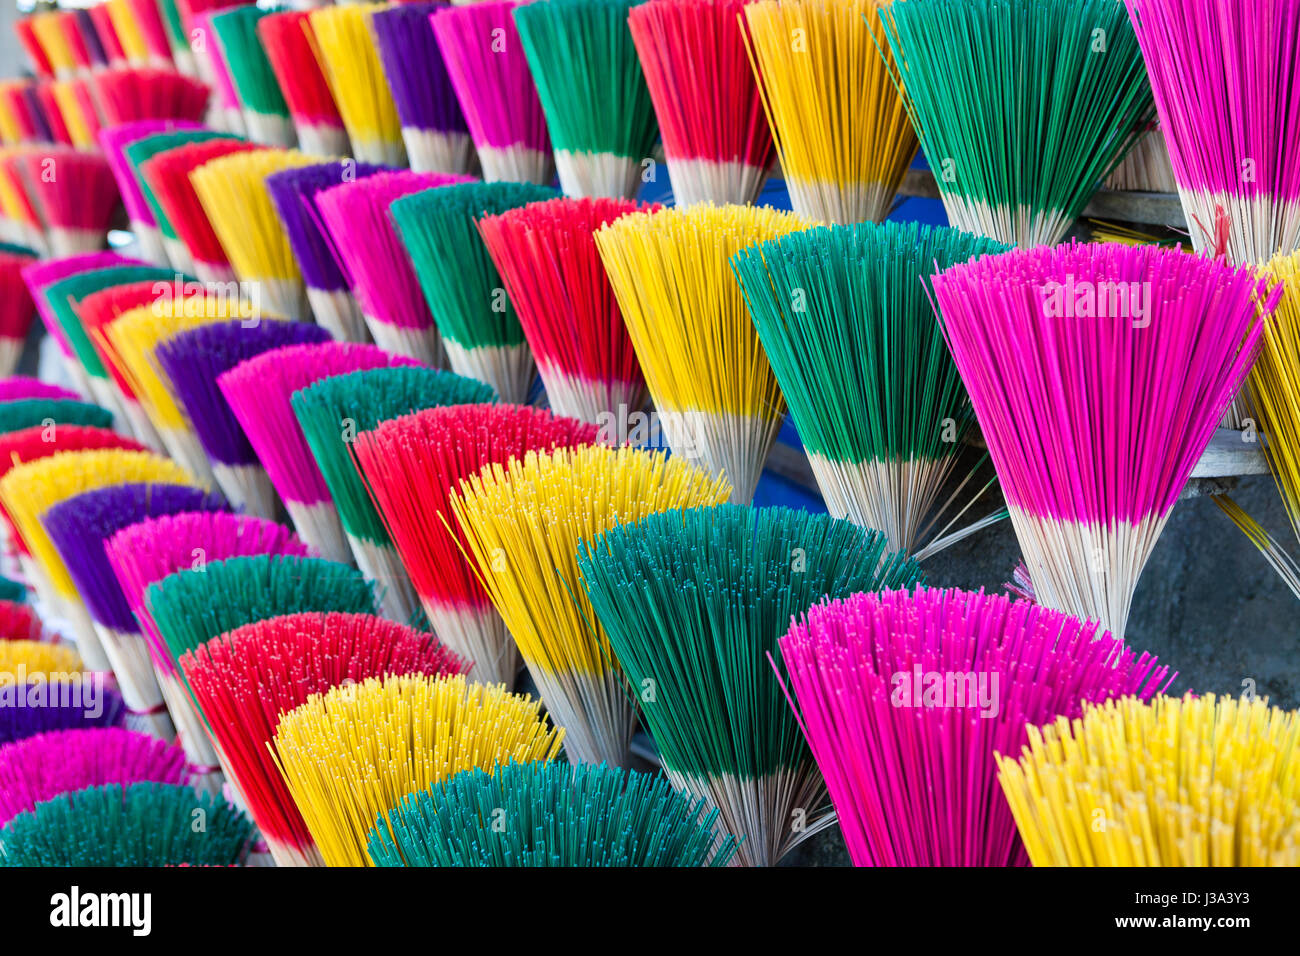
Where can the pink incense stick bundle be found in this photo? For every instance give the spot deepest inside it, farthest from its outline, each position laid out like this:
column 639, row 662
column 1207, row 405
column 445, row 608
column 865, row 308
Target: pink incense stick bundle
column 490, row 75
column 36, row 768
column 1098, row 374
column 905, row 697
column 15, row 387
column 716, row 137
column 245, row 679
column 558, row 286
column 114, row 140
column 259, row 390
column 75, row 196
column 378, row 268
column 1226, row 80
column 149, row 551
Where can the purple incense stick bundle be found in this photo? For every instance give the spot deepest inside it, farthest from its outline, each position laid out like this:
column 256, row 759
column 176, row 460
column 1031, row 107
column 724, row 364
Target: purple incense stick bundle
column 45, row 765
column 153, row 549
column 192, row 360
column 114, row 140
column 83, row 702
column 905, row 696
column 259, row 391
column 293, row 193
column 380, row 272
column 79, row 527
column 1098, row 374
column 433, row 126
column 1226, row 79
column 490, row 74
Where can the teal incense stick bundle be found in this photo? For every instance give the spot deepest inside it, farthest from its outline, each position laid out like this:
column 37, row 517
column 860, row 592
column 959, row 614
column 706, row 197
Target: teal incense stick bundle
column 461, row 285
column 845, row 317
column 558, row 815
column 332, row 412
column 266, row 114
column 1018, row 161
column 593, row 91
column 694, row 603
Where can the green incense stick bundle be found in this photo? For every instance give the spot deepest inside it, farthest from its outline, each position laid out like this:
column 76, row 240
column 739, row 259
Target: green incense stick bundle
column 266, row 114
column 332, row 412
column 694, row 602
column 845, row 318
column 465, row 293
column 589, row 79
column 1023, row 106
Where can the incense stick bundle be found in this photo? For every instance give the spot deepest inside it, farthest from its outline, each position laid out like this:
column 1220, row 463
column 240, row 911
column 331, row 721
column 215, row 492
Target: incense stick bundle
column 140, row 151
column 841, row 129
column 41, row 441
column 20, row 660
column 716, row 138
column 232, row 190
column 75, row 196
column 906, row 699
column 266, row 114
column 489, row 72
column 1089, row 481
column 17, row 312
column 192, row 361
column 47, row 30
column 293, row 193
column 694, row 634
column 412, row 466
column 110, row 52
column 548, row 260
column 1052, row 138
column 77, row 701
column 556, row 815
column 286, row 40
column 51, row 414
column 125, row 96
column 145, row 553
column 714, row 391
column 45, row 765
column 597, row 105
column 244, row 680
column 113, row 141
column 331, row 413
column 40, row 275
column 356, row 215
column 480, row 331
column 32, row 488
column 1235, row 153
column 25, row 29
column 433, row 126
column 431, row 728
column 1226, row 793
column 345, row 50
column 259, row 391
column 131, row 342
column 14, row 387
column 65, row 298
column 168, row 177
column 845, row 317
column 533, row 579
column 194, row 49
column 79, row 527
column 144, row 824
